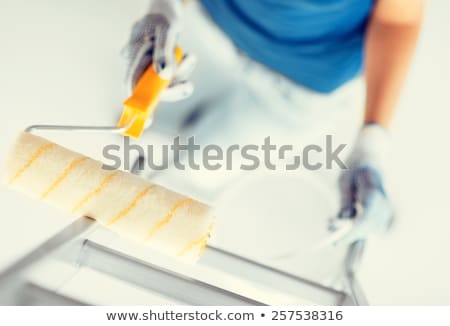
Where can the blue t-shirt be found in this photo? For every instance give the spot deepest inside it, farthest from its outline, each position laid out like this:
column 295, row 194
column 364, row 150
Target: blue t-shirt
column 316, row 43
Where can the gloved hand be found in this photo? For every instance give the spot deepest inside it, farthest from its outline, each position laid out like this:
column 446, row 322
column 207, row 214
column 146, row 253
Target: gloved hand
column 363, row 196
column 153, row 40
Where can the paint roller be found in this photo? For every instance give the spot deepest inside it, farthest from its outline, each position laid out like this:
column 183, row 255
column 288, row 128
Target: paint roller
column 166, row 221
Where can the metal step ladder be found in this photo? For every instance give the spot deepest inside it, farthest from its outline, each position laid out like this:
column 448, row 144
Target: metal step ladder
column 75, row 247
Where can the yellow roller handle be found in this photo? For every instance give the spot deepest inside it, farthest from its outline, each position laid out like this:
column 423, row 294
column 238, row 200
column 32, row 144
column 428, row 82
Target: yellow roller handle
column 142, row 103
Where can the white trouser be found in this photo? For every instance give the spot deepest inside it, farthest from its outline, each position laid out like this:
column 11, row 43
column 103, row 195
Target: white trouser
column 243, row 102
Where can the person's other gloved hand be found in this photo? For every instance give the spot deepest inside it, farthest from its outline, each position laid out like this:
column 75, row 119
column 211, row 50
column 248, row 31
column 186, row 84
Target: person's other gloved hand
column 153, row 39
column 363, row 196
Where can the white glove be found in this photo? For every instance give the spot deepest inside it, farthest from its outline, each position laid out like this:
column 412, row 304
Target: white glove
column 363, row 196
column 153, row 40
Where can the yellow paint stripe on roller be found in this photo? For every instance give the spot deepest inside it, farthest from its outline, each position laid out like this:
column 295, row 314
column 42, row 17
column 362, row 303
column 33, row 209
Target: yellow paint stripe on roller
column 33, row 158
column 130, row 206
column 168, row 217
column 65, row 173
column 205, row 239
column 200, row 241
column 202, row 247
column 106, row 180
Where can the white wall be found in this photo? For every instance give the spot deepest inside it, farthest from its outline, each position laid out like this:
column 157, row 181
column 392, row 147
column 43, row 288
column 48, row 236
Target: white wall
column 60, row 63
column 411, row 265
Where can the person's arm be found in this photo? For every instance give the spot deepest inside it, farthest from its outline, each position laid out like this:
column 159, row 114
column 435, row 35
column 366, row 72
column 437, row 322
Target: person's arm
column 390, row 42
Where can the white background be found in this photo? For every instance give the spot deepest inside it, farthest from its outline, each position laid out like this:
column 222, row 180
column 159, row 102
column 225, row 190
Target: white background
column 60, row 63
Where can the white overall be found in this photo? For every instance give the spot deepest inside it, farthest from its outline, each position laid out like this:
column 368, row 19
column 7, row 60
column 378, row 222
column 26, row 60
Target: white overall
column 272, row 216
